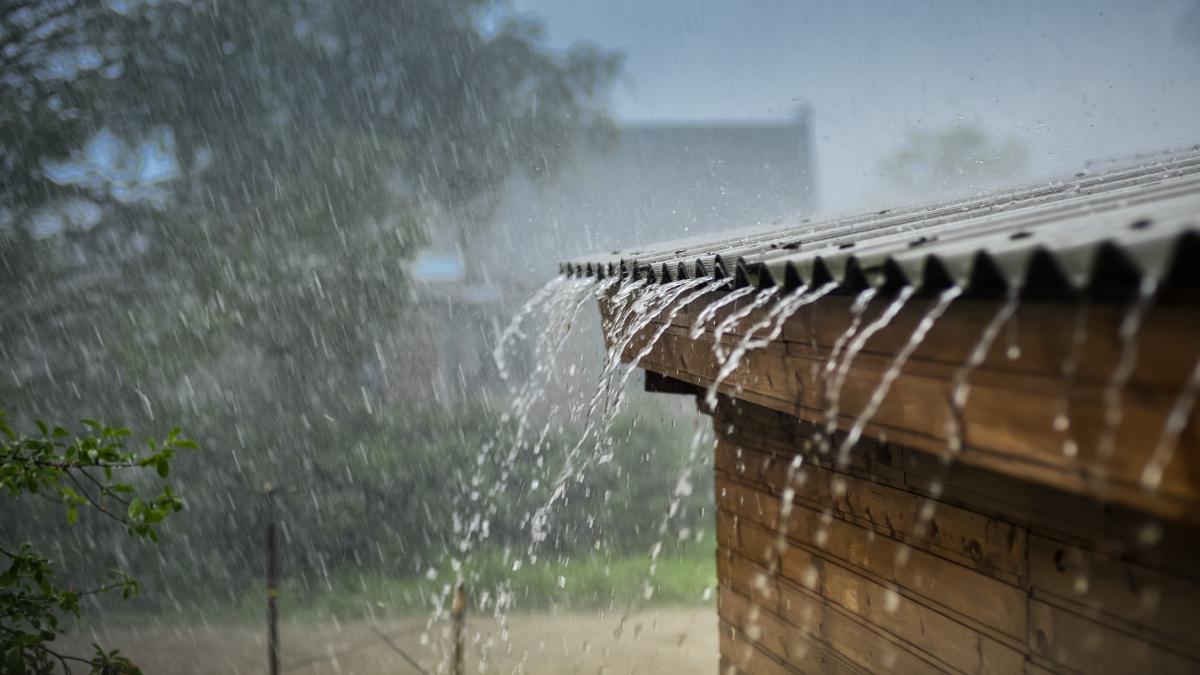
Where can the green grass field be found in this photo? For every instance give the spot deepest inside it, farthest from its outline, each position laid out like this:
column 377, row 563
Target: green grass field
column 682, row 576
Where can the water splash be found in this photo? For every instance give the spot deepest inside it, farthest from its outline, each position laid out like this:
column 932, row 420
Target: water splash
column 889, row 376
column 560, row 306
column 682, row 490
column 646, row 308
column 960, row 388
column 513, row 329
column 558, row 303
column 706, row 287
column 1127, row 333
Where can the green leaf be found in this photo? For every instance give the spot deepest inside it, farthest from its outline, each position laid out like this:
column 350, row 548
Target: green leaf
column 42, row 427
column 163, row 466
column 72, row 514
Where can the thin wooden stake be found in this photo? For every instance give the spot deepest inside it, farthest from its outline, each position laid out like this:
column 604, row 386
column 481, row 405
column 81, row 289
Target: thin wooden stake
column 458, row 613
column 272, row 589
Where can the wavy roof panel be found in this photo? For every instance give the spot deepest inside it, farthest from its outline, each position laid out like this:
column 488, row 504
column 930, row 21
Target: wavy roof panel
column 1093, row 235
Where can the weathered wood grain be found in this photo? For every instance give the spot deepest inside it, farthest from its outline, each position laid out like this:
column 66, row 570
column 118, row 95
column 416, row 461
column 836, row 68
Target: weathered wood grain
column 1009, row 420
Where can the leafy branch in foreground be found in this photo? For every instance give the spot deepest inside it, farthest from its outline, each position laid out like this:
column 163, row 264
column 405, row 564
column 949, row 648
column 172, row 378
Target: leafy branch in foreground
column 90, row 470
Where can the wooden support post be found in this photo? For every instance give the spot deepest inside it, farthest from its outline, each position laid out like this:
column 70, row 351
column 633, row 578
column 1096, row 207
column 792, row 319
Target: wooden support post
column 272, row 588
column 458, row 614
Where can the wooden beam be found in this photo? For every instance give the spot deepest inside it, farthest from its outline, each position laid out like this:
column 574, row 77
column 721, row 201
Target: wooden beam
column 1019, row 394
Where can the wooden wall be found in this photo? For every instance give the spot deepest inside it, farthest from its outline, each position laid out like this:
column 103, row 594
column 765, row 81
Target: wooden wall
column 900, row 563
column 1009, row 422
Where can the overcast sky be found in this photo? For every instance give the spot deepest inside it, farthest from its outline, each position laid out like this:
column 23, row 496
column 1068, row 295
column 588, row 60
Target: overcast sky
column 1072, row 80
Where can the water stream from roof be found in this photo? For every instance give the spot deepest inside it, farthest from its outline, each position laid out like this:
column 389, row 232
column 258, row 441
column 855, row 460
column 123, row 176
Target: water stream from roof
column 856, row 345
column 708, row 313
column 731, row 322
column 858, row 309
column 673, row 306
column 1127, row 333
column 773, row 322
column 648, row 306
column 1070, row 372
column 640, row 314
column 513, row 329
column 558, row 304
column 893, row 370
column 1168, row 440
column 960, row 392
column 560, row 307
column 960, row 387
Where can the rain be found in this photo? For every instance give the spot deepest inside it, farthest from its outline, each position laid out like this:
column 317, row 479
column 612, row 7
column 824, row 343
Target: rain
column 474, row 336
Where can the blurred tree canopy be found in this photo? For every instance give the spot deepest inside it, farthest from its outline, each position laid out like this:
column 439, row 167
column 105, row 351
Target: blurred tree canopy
column 947, row 160
column 206, row 208
column 250, row 164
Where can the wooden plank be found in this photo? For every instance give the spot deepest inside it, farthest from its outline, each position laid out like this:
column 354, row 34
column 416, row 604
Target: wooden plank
column 727, row 530
column 1164, row 608
column 1007, row 429
column 925, row 630
column 820, row 625
column 740, row 655
column 744, row 654
column 796, row 648
column 985, row 600
column 967, row 537
column 755, row 425
column 748, row 580
column 1043, row 332
column 1078, row 643
column 1036, row 669
column 1170, row 546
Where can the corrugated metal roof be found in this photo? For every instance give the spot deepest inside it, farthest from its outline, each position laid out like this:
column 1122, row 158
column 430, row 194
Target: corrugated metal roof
column 1099, row 235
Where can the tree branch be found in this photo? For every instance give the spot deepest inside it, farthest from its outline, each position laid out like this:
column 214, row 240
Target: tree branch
column 96, row 505
column 104, row 490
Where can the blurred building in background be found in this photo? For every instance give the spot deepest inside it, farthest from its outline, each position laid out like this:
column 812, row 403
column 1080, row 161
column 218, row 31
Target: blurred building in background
column 647, row 182
column 653, row 181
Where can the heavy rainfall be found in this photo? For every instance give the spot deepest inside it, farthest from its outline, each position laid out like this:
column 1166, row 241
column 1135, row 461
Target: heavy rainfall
column 448, row 336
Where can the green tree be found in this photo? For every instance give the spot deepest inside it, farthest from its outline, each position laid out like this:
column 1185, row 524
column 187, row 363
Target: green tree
column 90, row 471
column 934, row 163
column 265, row 171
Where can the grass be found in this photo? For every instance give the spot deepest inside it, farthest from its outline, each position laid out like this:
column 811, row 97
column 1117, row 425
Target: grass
column 683, row 575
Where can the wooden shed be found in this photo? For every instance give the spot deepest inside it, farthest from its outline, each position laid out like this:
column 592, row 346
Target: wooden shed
column 961, row 437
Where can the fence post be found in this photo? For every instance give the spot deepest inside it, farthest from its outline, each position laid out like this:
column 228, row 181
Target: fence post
column 458, row 614
column 272, row 588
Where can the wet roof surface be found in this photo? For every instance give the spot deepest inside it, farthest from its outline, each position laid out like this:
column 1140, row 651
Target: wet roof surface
column 1099, row 235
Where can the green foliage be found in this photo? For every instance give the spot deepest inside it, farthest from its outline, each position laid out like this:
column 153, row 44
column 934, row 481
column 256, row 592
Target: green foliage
column 587, row 581
column 683, row 575
column 380, row 501
column 85, row 470
column 319, row 144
